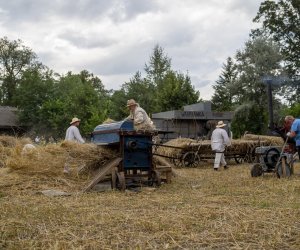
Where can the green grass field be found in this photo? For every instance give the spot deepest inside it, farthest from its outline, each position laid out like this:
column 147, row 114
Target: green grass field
column 200, row 209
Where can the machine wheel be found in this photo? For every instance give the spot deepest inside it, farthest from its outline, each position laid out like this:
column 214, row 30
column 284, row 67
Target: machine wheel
column 280, row 173
column 256, row 170
column 190, row 159
column 155, row 178
column 120, row 181
column 239, row 159
column 272, row 156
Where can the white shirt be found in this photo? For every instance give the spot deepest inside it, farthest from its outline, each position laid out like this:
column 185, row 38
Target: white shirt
column 73, row 134
column 140, row 118
column 219, row 139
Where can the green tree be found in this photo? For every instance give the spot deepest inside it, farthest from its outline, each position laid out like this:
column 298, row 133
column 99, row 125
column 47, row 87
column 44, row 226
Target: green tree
column 225, row 91
column 281, row 19
column 36, row 88
column 260, row 57
column 118, row 109
column 247, row 117
column 158, row 66
column 47, row 104
column 15, row 58
column 176, row 91
column 142, row 90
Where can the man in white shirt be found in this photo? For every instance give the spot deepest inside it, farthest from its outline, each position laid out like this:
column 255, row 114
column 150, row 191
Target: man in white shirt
column 73, row 133
column 219, row 140
column 139, row 116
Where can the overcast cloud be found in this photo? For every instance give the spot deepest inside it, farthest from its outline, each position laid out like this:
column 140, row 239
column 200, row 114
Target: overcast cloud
column 114, row 38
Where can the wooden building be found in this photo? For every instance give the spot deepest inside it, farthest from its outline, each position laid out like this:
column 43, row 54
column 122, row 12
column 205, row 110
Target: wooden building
column 194, row 121
column 9, row 124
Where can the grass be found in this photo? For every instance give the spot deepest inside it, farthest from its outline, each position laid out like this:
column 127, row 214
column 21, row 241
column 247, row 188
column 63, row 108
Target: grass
column 200, row 209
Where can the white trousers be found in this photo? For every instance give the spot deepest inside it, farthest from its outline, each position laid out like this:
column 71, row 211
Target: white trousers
column 219, row 158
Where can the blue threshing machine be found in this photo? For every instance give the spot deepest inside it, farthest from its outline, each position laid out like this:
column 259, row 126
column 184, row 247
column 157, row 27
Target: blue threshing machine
column 135, row 150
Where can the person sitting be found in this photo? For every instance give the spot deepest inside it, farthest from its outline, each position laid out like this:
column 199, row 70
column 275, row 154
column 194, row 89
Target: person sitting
column 139, row 116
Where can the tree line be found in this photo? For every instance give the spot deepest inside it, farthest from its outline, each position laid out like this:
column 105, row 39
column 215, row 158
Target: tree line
column 47, row 100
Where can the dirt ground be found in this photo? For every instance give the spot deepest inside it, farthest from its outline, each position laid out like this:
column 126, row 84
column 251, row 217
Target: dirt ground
column 200, row 209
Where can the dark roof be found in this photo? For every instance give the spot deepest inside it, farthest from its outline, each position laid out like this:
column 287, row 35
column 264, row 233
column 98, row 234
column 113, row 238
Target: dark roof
column 8, row 117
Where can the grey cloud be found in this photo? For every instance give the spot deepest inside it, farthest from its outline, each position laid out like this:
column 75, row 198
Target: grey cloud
column 88, row 10
column 89, row 41
column 248, row 7
column 126, row 61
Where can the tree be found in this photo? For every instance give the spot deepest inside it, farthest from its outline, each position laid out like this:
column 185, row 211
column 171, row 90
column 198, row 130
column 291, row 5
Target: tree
column 281, row 19
column 176, row 91
column 15, row 58
column 161, row 89
column 260, row 57
column 223, row 97
column 159, row 64
column 247, row 117
column 36, row 88
column 47, row 105
column 143, row 90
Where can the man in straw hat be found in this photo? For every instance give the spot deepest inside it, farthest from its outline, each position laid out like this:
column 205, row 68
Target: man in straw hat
column 219, row 140
column 139, row 116
column 73, row 133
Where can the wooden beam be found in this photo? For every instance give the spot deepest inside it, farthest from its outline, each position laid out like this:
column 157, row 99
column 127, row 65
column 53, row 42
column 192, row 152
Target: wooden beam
column 106, row 169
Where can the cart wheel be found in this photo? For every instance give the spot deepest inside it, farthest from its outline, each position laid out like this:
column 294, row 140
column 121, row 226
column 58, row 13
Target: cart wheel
column 239, row 159
column 256, row 170
column 120, row 182
column 280, row 173
column 155, row 178
column 190, row 159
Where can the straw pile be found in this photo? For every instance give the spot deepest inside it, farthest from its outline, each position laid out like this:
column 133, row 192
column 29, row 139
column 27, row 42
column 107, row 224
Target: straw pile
column 45, row 164
column 268, row 140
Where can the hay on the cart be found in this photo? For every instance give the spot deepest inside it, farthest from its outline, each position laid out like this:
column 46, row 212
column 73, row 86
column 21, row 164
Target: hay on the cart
column 270, row 140
column 180, row 144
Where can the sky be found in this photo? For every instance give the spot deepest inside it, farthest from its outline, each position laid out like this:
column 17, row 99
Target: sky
column 113, row 39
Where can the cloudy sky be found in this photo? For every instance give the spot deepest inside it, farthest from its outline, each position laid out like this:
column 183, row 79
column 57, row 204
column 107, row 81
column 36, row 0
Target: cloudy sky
column 115, row 38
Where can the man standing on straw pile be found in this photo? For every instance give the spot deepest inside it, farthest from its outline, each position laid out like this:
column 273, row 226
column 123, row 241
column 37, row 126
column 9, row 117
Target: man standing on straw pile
column 139, row 116
column 72, row 134
column 219, row 140
column 295, row 130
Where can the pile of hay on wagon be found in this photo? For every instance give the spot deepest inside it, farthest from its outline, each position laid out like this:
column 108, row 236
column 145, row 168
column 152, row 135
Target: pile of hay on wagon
column 43, row 165
column 246, row 144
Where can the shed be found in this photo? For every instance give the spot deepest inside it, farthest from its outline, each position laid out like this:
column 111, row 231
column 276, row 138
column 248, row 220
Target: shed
column 9, row 121
column 195, row 120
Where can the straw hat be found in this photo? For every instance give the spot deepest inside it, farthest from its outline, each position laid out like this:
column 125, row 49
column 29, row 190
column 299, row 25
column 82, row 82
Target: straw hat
column 75, row 119
column 220, row 124
column 131, row 102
